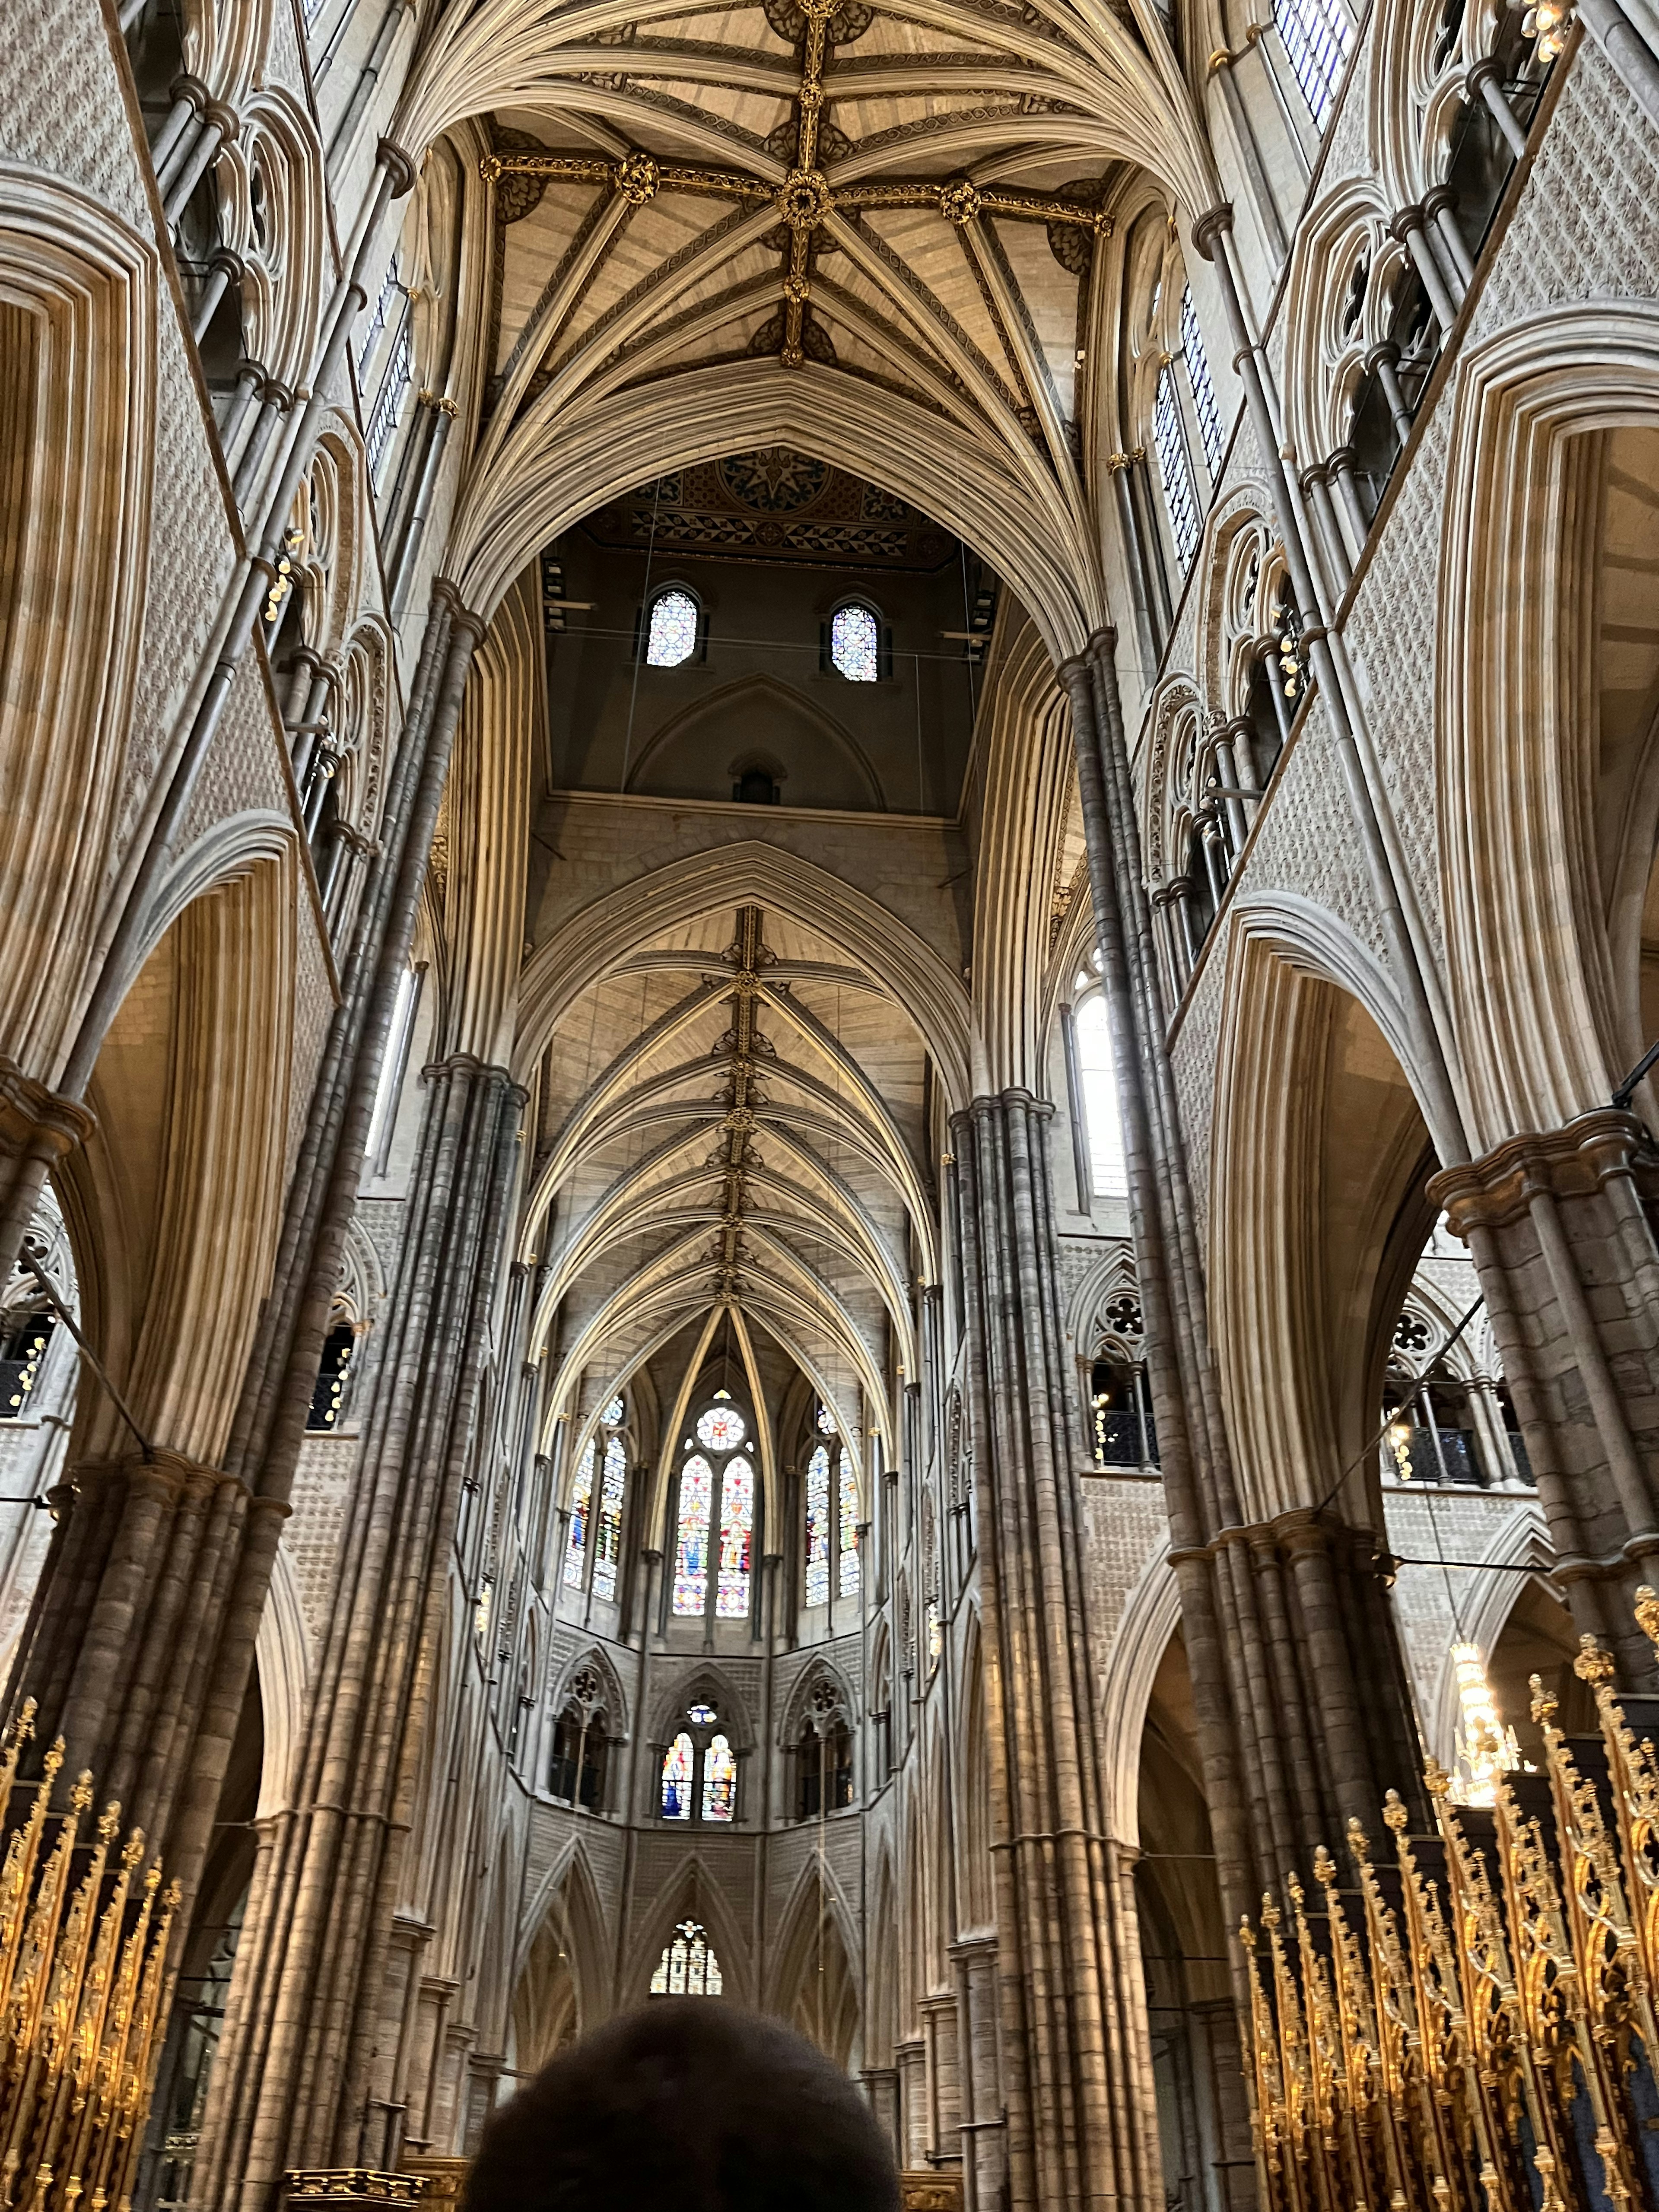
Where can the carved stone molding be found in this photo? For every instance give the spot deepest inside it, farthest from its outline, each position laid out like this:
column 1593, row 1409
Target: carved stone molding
column 1574, row 1162
column 34, row 1119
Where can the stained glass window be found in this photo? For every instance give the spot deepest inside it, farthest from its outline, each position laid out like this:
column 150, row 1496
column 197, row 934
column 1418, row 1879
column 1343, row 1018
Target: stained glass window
column 826, row 1422
column 672, row 636
column 1108, row 1176
column 721, row 1428
column 678, row 1769
column 855, row 643
column 607, row 1536
column 1317, row 34
column 817, row 1528
column 613, row 1414
column 847, row 1572
column 719, row 1781
column 1198, row 370
column 691, row 1543
column 581, row 1508
column 1174, row 469
column 688, row 1968
column 736, row 1536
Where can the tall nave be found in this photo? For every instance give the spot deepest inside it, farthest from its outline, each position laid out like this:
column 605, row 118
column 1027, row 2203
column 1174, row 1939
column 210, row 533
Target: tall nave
column 829, row 979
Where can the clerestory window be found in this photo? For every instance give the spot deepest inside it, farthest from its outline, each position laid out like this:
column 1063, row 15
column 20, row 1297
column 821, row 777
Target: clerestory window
column 714, row 1518
column 670, row 636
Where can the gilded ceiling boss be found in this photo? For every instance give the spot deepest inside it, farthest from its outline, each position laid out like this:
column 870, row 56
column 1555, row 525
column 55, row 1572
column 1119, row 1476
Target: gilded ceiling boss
column 828, row 1061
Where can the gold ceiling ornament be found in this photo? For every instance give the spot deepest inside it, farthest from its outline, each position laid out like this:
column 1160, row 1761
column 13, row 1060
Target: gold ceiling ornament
column 1473, row 2029
column 806, row 198
column 82, row 1965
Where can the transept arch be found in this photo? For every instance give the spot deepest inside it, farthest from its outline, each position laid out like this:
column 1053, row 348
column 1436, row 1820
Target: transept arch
column 78, row 302
column 1538, row 954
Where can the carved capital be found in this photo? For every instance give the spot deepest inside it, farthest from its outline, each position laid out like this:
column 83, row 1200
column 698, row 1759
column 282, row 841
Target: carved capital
column 1574, row 1162
column 34, row 1121
column 1209, row 228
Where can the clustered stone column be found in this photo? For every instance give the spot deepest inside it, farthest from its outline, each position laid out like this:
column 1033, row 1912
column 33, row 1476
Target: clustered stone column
column 1081, row 2125
column 1561, row 1228
column 139, row 1643
column 1303, row 1712
column 304, row 2024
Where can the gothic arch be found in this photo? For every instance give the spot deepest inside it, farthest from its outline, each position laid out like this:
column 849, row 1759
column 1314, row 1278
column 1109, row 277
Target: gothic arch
column 739, row 700
column 697, row 1893
column 1319, row 1154
column 78, row 310
column 174, row 1201
column 562, row 1978
column 813, row 1983
column 1151, row 1617
column 614, row 1703
column 619, row 921
column 557, row 466
column 1543, row 1022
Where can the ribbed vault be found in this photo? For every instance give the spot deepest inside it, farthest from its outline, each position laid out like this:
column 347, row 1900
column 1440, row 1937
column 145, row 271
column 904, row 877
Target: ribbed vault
column 872, row 231
column 734, row 1117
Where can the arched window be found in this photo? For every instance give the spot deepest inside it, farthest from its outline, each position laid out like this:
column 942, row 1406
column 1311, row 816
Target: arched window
column 328, row 1400
column 1317, row 35
column 716, row 1512
column 818, row 1527
column 831, row 1518
column 593, row 1549
column 699, row 1777
column 1174, row 467
column 688, row 1968
column 855, row 642
column 671, row 636
column 1198, row 372
column 1102, row 1126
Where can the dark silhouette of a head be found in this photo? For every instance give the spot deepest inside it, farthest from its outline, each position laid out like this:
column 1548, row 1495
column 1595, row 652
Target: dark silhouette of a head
column 688, row 2102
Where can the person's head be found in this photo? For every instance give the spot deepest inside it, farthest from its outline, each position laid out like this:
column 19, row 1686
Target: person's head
column 688, row 2102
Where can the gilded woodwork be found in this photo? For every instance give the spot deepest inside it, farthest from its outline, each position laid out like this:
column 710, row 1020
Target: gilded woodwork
column 1473, row 2031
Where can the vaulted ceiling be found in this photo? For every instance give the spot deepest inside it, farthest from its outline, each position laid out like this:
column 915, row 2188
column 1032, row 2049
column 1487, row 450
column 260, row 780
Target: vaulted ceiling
column 899, row 204
column 734, row 1117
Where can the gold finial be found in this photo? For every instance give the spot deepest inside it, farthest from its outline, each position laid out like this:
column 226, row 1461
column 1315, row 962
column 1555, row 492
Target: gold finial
column 109, row 1821
column 1544, row 1702
column 81, row 1795
column 1324, row 1867
column 1359, row 1843
column 1395, row 1813
column 1247, row 1935
column 1647, row 1613
column 1295, row 1889
column 1436, row 1778
column 1592, row 1665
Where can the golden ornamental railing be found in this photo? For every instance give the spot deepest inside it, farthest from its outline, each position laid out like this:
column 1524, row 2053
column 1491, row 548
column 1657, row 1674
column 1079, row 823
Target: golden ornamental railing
column 1476, row 2030
column 84, row 1940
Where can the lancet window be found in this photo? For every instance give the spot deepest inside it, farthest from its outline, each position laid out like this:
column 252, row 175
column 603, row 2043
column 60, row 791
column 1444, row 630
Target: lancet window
column 698, row 1778
column 672, row 626
column 714, row 1521
column 1097, row 1081
column 1317, row 36
column 832, row 1517
column 687, row 1967
column 1175, row 468
column 593, row 1554
column 1198, row 374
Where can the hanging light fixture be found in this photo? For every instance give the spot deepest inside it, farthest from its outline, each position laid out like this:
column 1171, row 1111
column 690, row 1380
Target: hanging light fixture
column 1487, row 1750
